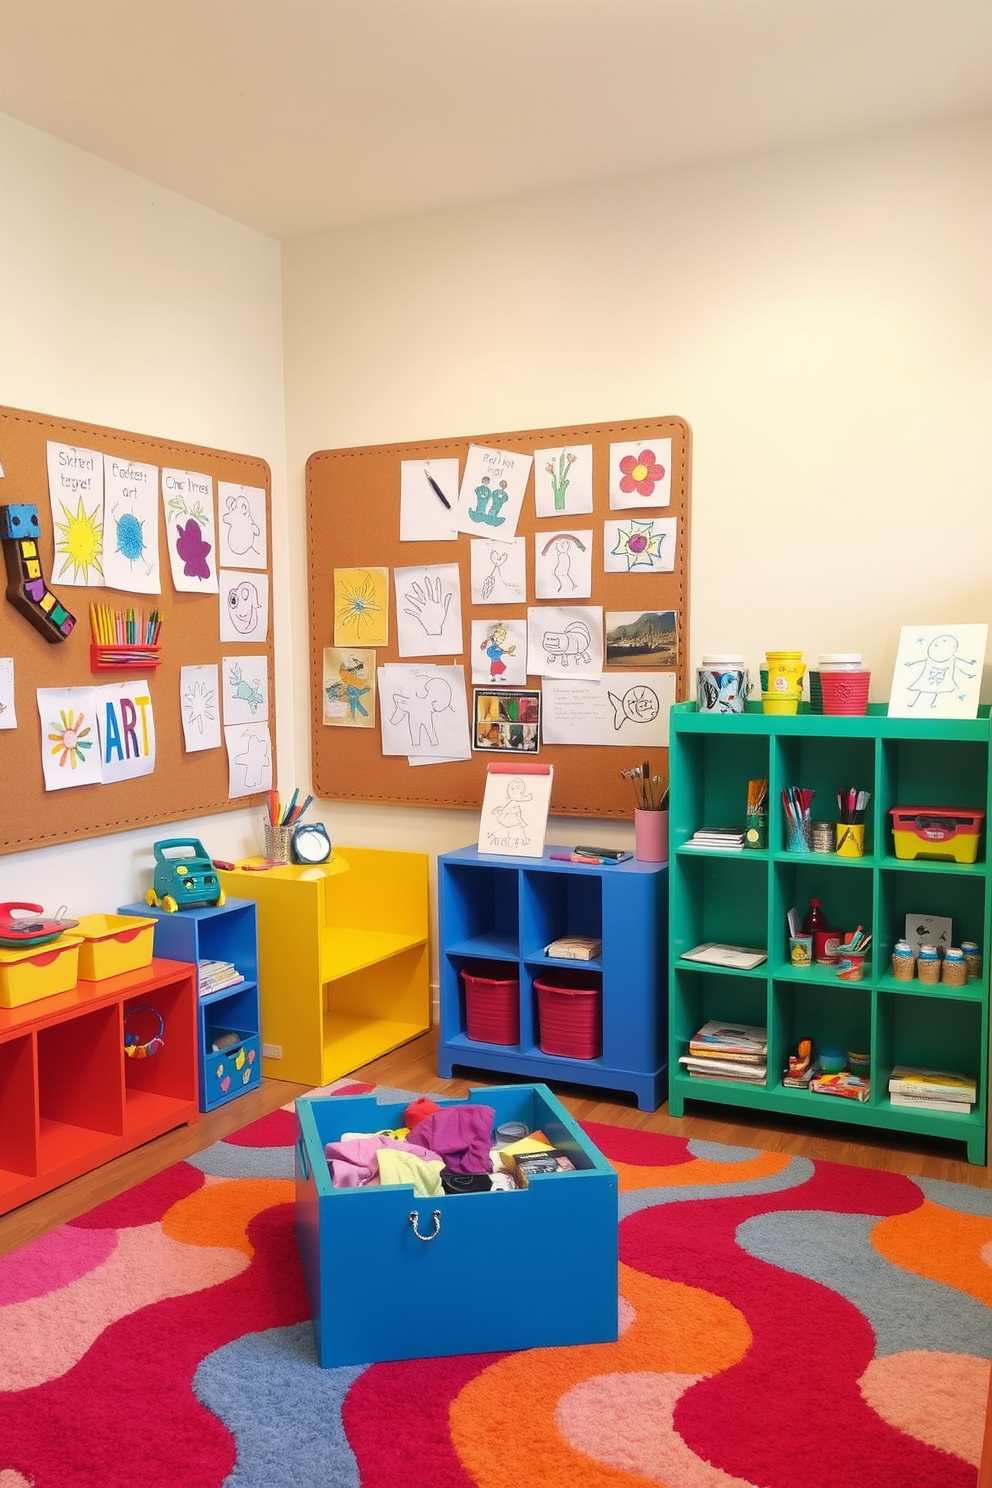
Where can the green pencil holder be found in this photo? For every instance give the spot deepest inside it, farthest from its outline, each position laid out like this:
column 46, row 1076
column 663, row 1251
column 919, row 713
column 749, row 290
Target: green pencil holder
column 756, row 829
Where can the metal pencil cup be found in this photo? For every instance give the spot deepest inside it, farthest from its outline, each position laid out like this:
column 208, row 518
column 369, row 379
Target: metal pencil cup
column 278, row 843
column 797, row 836
column 824, row 838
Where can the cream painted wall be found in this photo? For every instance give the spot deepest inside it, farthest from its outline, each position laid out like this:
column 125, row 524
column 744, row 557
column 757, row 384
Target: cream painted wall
column 822, row 318
column 124, row 304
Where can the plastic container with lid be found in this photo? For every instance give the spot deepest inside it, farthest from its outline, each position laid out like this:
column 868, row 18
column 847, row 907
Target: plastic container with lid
column 840, row 661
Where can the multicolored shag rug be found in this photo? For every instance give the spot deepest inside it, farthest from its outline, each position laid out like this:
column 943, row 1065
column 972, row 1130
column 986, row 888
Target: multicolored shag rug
column 784, row 1323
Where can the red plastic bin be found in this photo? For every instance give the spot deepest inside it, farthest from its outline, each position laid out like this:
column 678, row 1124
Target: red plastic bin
column 569, row 1011
column 492, row 1005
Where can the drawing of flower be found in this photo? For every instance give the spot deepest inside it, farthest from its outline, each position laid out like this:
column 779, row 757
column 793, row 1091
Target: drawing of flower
column 639, row 544
column 359, row 605
column 640, row 473
column 69, row 739
column 559, row 477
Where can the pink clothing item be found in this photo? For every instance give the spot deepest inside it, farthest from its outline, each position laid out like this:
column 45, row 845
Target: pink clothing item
column 355, row 1163
column 463, row 1136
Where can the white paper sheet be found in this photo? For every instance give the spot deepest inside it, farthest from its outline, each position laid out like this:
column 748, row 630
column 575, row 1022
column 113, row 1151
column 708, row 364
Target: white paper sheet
column 130, row 526
column 563, row 564
column 563, row 481
column 428, row 496
column 126, row 720
column 244, row 606
column 245, row 688
column 514, row 817
column 641, row 474
column 200, row 705
column 249, row 758
column 423, row 711
column 629, row 709
column 565, row 640
column 499, row 571
column 499, row 652
column 75, row 493
column 188, row 499
column 938, row 671
column 70, row 738
column 429, row 610
column 241, row 525
column 8, row 713
column 640, row 545
column 492, row 492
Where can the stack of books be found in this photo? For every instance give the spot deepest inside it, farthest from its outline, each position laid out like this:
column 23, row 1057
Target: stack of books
column 575, row 948
column 931, row 1090
column 728, row 1051
column 855, row 1087
column 724, row 839
column 214, row 976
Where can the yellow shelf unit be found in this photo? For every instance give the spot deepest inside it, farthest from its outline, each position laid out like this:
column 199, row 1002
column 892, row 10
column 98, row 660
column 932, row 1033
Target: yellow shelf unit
column 343, row 959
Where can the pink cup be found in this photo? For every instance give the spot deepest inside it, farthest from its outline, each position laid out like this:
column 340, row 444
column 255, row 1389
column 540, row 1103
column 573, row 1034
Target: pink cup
column 651, row 836
column 845, row 692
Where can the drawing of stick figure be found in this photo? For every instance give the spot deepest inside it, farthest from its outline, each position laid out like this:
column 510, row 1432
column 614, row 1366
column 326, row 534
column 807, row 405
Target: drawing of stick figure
column 938, row 671
column 563, row 562
column 494, row 647
column 419, row 710
column 509, row 813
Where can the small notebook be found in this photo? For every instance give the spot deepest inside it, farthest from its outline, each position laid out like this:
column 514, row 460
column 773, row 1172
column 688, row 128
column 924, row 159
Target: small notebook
column 742, row 958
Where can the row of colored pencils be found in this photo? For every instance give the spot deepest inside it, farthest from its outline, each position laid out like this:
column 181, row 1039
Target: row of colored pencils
column 110, row 627
column 280, row 816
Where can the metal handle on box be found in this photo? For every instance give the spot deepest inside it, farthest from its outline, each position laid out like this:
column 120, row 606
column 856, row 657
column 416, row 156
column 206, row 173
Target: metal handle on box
column 301, row 1148
column 414, row 1219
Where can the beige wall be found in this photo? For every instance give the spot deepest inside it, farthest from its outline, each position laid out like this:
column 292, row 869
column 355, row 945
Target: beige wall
column 822, row 318
column 123, row 304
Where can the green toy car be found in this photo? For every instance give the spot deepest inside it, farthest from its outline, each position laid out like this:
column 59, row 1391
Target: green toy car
column 184, row 876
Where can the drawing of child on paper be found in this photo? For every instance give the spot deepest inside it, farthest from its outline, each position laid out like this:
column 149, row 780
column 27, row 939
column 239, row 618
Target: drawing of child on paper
column 938, row 671
column 496, row 648
column 509, row 814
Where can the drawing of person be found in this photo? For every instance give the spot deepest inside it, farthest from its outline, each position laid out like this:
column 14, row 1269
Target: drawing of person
column 494, row 647
column 937, row 675
column 509, row 813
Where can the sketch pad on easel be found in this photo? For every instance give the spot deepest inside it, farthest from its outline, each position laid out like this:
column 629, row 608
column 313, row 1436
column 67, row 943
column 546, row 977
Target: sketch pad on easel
column 515, row 808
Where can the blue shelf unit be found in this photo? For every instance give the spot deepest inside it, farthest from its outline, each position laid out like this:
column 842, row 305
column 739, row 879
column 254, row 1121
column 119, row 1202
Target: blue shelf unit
column 225, row 932
column 503, row 911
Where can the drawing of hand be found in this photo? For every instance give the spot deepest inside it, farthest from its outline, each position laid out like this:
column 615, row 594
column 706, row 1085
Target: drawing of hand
column 427, row 604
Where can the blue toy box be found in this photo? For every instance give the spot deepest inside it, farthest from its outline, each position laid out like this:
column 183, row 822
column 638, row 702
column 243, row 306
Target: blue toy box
column 393, row 1276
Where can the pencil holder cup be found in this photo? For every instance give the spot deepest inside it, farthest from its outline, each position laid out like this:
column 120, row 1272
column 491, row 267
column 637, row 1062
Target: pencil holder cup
column 903, row 962
column 797, row 837
column 850, row 839
column 972, row 958
column 801, row 950
column 756, row 829
column 953, row 971
column 851, row 968
column 928, row 965
column 824, row 839
column 277, row 843
column 651, row 836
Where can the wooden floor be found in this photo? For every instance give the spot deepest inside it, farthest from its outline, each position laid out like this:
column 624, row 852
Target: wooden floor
column 414, row 1067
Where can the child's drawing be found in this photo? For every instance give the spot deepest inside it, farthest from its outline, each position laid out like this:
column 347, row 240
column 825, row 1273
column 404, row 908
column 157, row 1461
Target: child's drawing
column 563, row 481
column 509, row 812
column 499, row 652
column 566, row 639
column 246, row 688
column 492, row 491
column 639, row 704
column 423, row 711
column 189, row 522
column 419, row 710
column 641, row 475
column 938, row 672
column 8, row 716
column 428, row 610
column 130, row 525
column 499, row 574
column 249, row 758
column 515, row 806
column 563, row 566
column 244, row 606
column 241, row 512
column 199, row 694
column 75, row 490
column 348, row 687
column 361, row 606
column 640, row 546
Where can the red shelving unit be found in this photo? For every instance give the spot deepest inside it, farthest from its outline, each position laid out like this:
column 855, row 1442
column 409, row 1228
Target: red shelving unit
column 69, row 1097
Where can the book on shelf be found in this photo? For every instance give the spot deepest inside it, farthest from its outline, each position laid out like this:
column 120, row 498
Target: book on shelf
column 746, row 1038
column 715, row 953
column 215, row 976
column 929, row 1103
column 801, row 1081
column 575, row 947
column 854, row 1087
column 733, row 1056
column 727, row 839
column 907, row 1080
column 725, row 1069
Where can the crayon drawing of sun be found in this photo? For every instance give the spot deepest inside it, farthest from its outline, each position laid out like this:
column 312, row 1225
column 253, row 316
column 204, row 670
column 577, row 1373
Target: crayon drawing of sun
column 79, row 541
column 638, row 543
column 359, row 606
column 69, row 739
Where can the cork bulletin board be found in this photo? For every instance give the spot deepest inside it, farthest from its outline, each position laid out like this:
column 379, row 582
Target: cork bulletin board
column 182, row 784
column 354, row 521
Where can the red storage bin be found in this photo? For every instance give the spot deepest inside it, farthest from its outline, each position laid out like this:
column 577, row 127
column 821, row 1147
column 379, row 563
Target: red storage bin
column 492, row 1005
column 569, row 1011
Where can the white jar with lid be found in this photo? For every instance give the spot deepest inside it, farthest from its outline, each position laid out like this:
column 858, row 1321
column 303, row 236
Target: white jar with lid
column 840, row 661
column 722, row 683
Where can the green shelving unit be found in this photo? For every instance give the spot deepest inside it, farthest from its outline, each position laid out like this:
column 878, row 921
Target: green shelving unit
column 742, row 898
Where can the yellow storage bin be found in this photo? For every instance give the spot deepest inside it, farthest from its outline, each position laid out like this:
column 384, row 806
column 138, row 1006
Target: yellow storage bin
column 30, row 972
column 114, row 943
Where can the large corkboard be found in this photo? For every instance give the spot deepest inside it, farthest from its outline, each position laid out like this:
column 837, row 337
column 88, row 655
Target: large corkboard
column 182, row 785
column 353, row 514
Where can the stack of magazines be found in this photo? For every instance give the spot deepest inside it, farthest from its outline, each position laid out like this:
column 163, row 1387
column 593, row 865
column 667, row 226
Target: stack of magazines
column 722, row 839
column 215, row 975
column 728, row 1051
column 931, row 1090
